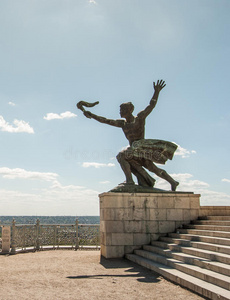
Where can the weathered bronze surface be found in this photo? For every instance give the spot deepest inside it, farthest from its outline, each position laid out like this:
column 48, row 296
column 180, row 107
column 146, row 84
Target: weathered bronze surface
column 141, row 153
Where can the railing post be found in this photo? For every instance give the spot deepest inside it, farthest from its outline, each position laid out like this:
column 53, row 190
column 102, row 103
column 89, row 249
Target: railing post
column 37, row 247
column 99, row 238
column 55, row 237
column 24, row 237
column 73, row 236
column 77, row 243
column 13, row 242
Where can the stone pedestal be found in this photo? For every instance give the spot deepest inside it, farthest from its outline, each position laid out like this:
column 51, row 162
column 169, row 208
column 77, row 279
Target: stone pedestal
column 128, row 221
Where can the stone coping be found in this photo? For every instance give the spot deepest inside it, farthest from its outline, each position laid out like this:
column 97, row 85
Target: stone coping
column 135, row 188
column 214, row 207
column 159, row 194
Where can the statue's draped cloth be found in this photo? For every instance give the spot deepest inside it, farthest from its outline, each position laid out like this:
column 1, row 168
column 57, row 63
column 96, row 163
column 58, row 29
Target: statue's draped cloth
column 157, row 151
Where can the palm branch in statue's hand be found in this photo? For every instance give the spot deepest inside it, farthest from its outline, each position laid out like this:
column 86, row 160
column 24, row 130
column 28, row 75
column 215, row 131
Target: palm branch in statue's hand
column 87, row 104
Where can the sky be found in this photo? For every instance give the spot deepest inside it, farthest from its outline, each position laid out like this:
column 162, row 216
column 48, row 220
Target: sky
column 53, row 54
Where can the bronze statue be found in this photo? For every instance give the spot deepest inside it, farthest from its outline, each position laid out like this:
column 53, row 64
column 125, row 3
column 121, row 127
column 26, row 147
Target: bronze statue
column 141, row 152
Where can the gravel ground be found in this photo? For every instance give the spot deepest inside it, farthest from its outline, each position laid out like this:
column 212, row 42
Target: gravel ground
column 68, row 274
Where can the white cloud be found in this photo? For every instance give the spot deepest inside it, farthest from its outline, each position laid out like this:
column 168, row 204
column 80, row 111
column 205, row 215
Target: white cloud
column 18, row 126
column 11, row 103
column 183, row 152
column 64, row 115
column 226, row 180
column 214, row 198
column 96, row 165
column 65, row 200
column 46, row 200
column 188, row 184
column 18, row 173
column 92, row 2
column 105, row 182
column 59, row 191
column 57, row 185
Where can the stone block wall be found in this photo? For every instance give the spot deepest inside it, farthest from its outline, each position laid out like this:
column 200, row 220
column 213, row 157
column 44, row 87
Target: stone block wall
column 214, row 211
column 128, row 221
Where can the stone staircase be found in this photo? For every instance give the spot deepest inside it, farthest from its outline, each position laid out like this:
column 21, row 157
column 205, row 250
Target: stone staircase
column 196, row 257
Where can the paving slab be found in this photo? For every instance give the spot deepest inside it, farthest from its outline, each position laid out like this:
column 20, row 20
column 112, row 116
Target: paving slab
column 68, row 274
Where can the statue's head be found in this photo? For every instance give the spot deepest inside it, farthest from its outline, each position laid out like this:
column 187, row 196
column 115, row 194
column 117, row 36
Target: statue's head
column 126, row 108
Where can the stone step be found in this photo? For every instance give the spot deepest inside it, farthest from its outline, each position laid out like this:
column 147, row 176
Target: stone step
column 197, row 244
column 226, row 218
column 208, row 227
column 204, row 274
column 222, row 234
column 212, row 222
column 191, row 259
column 208, row 254
column 173, row 240
column 194, row 284
column 201, row 238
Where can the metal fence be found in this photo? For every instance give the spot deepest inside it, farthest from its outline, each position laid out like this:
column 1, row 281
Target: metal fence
column 35, row 237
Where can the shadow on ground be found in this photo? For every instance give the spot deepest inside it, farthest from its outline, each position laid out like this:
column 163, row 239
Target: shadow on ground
column 131, row 270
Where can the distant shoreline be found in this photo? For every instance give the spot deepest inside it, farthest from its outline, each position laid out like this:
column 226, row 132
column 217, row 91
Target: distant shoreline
column 7, row 220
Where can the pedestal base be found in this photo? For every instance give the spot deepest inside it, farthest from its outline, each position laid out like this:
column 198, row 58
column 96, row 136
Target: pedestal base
column 128, row 221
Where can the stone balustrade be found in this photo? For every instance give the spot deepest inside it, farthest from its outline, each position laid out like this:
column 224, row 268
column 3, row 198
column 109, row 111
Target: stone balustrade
column 33, row 237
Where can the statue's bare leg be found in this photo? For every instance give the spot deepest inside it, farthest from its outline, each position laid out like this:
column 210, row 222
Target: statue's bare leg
column 143, row 178
column 125, row 167
column 130, row 166
column 161, row 173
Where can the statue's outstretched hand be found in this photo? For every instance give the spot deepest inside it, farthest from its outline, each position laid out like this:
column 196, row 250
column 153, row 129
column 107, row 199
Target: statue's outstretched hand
column 88, row 114
column 159, row 86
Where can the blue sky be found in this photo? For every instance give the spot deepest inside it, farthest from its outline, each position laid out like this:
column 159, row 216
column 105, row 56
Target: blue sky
column 54, row 161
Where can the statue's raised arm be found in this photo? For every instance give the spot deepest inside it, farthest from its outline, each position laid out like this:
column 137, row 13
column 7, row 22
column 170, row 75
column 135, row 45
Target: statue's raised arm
column 157, row 88
column 88, row 114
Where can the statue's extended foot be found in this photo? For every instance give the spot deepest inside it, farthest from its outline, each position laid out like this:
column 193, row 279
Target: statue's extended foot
column 174, row 185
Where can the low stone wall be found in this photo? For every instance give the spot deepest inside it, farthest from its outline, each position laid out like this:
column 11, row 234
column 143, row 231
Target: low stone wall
column 214, row 211
column 128, row 221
